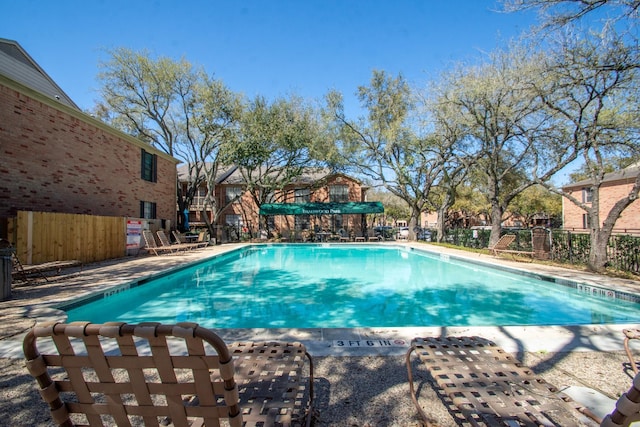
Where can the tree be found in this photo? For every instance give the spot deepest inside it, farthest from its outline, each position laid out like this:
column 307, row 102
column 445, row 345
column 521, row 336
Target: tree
column 592, row 85
column 172, row 106
column 454, row 151
column 611, row 164
column 560, row 13
column 383, row 146
column 394, row 207
column 470, row 202
column 537, row 201
column 275, row 144
column 492, row 105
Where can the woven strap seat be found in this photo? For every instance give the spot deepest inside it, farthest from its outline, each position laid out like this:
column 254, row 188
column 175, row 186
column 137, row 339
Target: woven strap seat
column 152, row 374
column 482, row 385
column 268, row 369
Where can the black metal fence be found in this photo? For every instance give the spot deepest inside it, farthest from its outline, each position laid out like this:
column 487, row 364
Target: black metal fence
column 623, row 251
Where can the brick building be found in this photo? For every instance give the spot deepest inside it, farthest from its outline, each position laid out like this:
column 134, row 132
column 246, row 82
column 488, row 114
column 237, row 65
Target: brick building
column 615, row 186
column 317, row 201
column 55, row 158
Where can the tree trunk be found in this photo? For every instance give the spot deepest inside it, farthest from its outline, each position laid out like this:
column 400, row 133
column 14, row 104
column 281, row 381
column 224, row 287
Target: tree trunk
column 414, row 221
column 496, row 223
column 442, row 215
column 598, row 253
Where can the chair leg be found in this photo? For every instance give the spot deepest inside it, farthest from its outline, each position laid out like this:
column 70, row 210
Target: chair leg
column 412, row 390
column 629, row 335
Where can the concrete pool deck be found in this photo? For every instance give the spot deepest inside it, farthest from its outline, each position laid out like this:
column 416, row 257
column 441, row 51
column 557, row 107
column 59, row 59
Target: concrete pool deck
column 589, row 356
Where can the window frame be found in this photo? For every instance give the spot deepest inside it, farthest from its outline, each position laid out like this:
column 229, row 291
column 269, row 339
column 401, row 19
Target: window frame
column 339, row 193
column 238, row 221
column 148, row 210
column 232, row 193
column 148, row 166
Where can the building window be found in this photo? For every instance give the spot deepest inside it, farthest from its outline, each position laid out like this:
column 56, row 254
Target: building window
column 302, row 195
column 233, row 219
column 201, row 194
column 149, row 168
column 147, row 210
column 232, row 194
column 585, row 221
column 302, row 222
column 339, row 193
column 587, row 195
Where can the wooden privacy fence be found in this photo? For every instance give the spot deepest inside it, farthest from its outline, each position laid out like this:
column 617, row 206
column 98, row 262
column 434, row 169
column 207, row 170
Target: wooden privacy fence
column 44, row 236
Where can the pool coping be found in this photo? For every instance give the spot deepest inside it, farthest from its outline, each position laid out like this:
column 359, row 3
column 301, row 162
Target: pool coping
column 363, row 341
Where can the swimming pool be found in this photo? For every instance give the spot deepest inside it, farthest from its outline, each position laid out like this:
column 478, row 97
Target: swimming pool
column 347, row 286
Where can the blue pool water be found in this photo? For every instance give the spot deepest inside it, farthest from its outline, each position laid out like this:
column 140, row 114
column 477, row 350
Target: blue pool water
column 323, row 286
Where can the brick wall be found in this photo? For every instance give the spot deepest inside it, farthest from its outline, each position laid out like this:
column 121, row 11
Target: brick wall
column 55, row 159
column 610, row 193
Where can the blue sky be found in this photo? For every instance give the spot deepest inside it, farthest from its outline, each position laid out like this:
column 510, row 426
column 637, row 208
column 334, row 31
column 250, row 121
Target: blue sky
column 272, row 48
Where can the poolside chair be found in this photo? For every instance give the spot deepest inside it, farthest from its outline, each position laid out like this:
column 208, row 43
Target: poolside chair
column 200, row 242
column 486, row 386
column 502, row 244
column 153, row 374
column 152, row 247
column 165, row 242
column 24, row 272
column 372, row 236
column 631, row 334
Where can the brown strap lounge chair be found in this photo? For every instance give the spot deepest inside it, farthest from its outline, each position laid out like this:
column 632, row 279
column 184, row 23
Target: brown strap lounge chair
column 486, row 386
column 152, row 247
column 200, row 242
column 24, row 272
column 166, row 243
column 502, row 244
column 153, row 374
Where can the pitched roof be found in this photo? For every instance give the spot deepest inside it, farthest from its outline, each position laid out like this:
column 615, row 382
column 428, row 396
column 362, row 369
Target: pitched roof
column 308, row 177
column 17, row 65
column 222, row 173
column 628, row 173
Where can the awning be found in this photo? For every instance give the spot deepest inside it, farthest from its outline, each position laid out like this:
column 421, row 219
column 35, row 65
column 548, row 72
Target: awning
column 321, row 208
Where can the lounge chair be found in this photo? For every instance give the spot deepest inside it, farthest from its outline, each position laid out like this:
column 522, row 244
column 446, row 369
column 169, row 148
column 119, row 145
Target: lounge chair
column 485, row 385
column 154, row 374
column 25, row 271
column 152, row 247
column 372, row 236
column 200, row 242
column 631, row 334
column 502, row 244
column 165, row 242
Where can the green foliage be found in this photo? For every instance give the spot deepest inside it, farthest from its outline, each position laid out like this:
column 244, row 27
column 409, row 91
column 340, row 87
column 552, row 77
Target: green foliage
column 536, row 200
column 173, row 106
column 394, row 207
column 613, row 164
column 275, row 143
column 623, row 251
